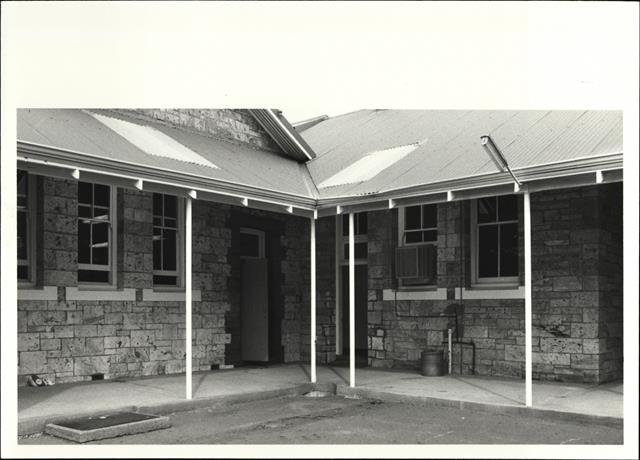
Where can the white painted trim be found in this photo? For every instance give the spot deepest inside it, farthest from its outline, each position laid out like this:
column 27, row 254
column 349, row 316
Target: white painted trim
column 151, row 295
column 74, row 293
column 46, row 293
column 490, row 294
column 434, row 294
column 352, row 304
column 527, row 303
column 188, row 293
column 313, row 299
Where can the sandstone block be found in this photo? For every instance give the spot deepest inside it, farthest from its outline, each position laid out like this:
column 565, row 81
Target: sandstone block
column 32, row 362
column 28, row 342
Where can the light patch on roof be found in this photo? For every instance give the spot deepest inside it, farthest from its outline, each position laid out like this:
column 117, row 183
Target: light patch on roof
column 369, row 166
column 152, row 141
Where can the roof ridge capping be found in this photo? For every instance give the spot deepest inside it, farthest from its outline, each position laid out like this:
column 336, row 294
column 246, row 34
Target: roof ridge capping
column 285, row 135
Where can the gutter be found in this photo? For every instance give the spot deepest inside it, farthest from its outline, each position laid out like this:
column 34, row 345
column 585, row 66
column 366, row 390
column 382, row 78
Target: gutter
column 560, row 170
column 580, row 172
column 76, row 160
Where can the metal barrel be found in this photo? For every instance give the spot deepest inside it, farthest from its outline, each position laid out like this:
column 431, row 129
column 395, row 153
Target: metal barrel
column 432, row 363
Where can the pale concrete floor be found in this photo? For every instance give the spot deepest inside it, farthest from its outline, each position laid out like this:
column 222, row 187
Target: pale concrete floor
column 69, row 399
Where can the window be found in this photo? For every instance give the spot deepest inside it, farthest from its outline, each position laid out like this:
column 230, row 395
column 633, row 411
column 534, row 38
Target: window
column 360, row 248
column 495, row 238
column 26, row 231
column 251, row 243
column 167, row 240
column 96, row 233
column 419, row 226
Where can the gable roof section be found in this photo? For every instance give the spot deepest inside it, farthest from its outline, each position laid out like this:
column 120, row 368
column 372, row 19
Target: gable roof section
column 283, row 133
column 82, row 132
column 453, row 151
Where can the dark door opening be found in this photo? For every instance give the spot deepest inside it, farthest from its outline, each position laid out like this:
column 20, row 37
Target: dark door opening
column 360, row 314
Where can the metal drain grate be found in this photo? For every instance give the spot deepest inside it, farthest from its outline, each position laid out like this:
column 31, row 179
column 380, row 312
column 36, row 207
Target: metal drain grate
column 104, row 421
column 84, row 429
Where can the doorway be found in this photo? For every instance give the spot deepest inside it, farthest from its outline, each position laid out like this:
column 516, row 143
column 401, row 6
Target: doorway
column 361, row 280
column 254, row 303
column 360, row 312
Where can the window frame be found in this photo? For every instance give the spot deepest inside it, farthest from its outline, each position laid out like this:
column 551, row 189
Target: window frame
column 261, row 241
column 180, row 247
column 358, row 238
column 402, row 243
column 489, row 282
column 113, row 243
column 31, row 232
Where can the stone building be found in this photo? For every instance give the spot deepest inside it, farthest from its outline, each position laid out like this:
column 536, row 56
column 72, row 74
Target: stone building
column 113, row 204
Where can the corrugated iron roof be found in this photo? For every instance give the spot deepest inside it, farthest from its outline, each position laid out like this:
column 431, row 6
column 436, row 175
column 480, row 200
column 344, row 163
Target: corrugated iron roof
column 77, row 130
column 526, row 138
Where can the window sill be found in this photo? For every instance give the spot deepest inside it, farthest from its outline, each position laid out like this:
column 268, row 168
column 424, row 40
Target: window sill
column 479, row 292
column 414, row 294
column 100, row 293
column 29, row 292
column 169, row 295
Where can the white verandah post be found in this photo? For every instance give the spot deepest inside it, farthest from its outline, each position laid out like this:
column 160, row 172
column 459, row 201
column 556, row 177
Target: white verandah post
column 313, row 300
column 527, row 301
column 188, row 293
column 352, row 305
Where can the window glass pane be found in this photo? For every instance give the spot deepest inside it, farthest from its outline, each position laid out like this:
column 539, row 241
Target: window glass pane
column 360, row 251
column 249, row 245
column 169, row 249
column 100, row 244
column 165, row 280
column 362, row 223
column 413, row 237
column 93, row 276
column 84, row 211
column 23, row 188
column 101, row 195
column 157, row 204
column 22, row 235
column 85, row 193
column 345, row 225
column 157, row 249
column 157, row 221
column 100, row 213
column 412, row 218
column 488, row 251
column 84, row 230
column 429, row 216
column 23, row 272
column 170, row 223
column 508, row 207
column 509, row 250
column 170, row 206
column 486, row 210
column 430, row 235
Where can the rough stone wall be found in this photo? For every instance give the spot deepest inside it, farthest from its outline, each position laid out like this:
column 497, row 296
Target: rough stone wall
column 610, row 259
column 325, row 293
column 576, row 294
column 233, row 125
column 67, row 340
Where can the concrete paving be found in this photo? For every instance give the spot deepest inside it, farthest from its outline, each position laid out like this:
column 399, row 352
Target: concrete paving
column 165, row 394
